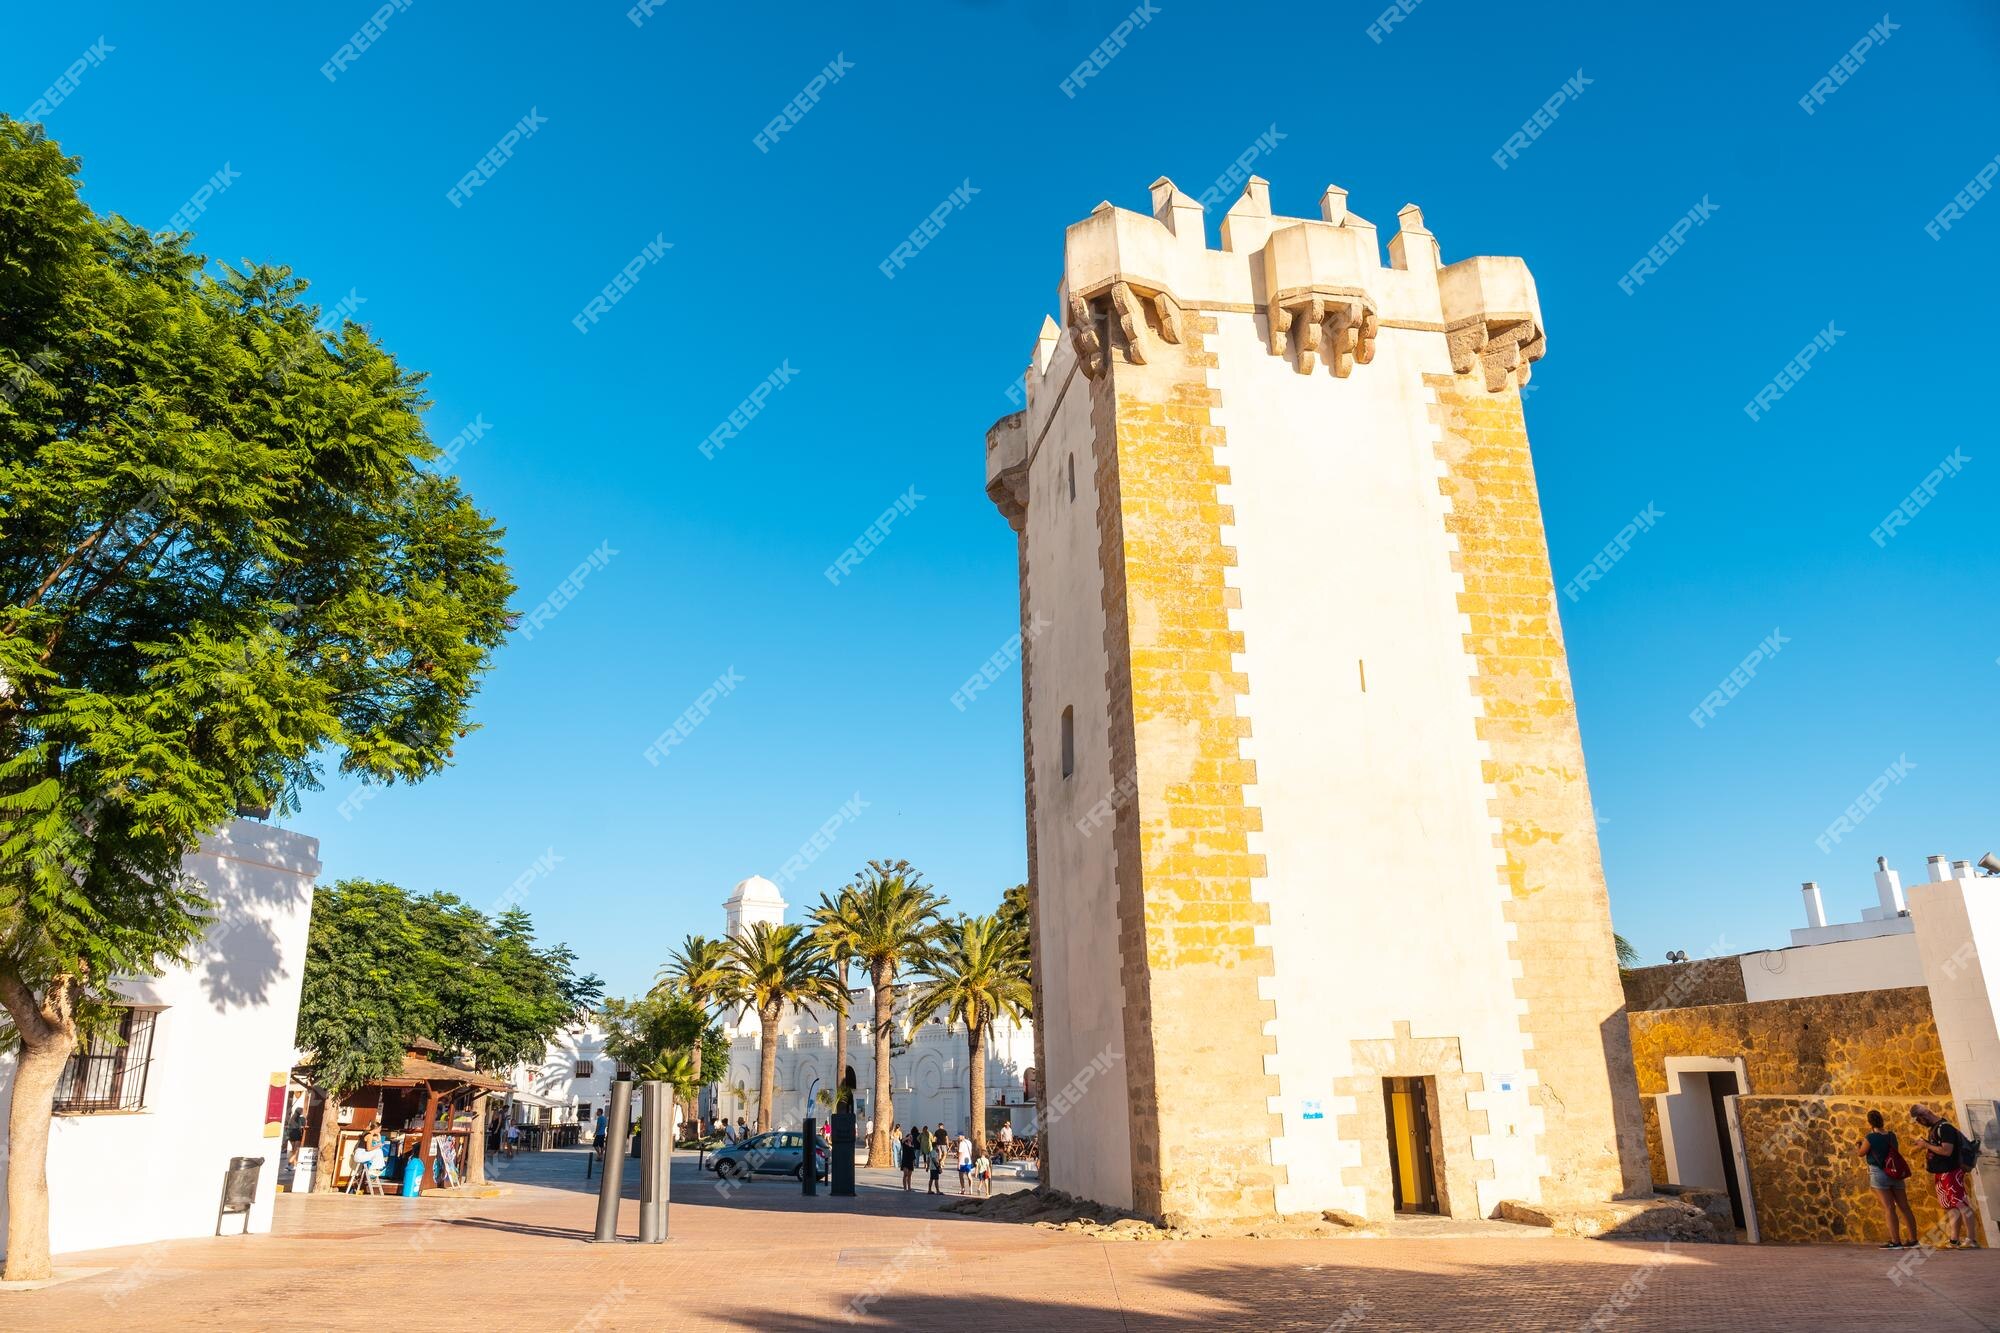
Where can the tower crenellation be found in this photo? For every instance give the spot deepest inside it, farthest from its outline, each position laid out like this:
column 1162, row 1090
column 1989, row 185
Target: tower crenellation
column 1129, row 280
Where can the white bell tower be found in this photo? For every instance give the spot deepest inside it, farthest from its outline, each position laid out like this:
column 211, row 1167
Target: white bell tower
column 755, row 899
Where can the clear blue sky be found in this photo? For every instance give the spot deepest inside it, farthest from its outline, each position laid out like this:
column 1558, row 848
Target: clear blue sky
column 1890, row 651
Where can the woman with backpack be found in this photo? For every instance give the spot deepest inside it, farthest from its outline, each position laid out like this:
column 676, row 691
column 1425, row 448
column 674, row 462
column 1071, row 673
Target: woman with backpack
column 1888, row 1175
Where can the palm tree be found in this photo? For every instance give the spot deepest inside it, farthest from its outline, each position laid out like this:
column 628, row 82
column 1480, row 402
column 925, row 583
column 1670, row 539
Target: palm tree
column 1013, row 911
column 838, row 946
column 977, row 974
column 1628, row 957
column 884, row 919
column 680, row 1069
column 767, row 969
column 698, row 971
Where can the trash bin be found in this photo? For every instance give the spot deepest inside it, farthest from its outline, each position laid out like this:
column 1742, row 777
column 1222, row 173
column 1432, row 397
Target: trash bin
column 239, row 1190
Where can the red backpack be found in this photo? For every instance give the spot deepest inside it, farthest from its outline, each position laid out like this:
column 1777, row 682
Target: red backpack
column 1893, row 1165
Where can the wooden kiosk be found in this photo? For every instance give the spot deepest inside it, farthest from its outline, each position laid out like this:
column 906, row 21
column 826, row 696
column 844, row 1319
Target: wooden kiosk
column 424, row 1108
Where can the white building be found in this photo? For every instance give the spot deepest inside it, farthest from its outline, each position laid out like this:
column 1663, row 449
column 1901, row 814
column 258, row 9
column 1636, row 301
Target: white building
column 144, row 1131
column 1878, row 952
column 1940, row 936
column 570, row 1084
column 930, row 1067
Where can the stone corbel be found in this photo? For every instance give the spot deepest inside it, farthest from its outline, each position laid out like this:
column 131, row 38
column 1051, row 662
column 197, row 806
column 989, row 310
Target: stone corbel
column 1130, row 303
column 1504, row 348
column 1083, row 333
column 1341, row 322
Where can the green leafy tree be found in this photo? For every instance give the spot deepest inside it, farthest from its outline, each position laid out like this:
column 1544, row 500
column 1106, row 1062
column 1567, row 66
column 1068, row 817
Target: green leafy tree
column 771, row 967
column 884, row 920
column 976, row 974
column 502, row 998
column 1013, row 911
column 699, row 971
column 370, row 987
column 224, row 564
column 365, row 992
column 384, row 968
column 665, row 1034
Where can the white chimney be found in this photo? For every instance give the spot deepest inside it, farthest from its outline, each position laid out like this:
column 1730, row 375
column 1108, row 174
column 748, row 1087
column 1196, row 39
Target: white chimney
column 1815, row 909
column 1961, row 870
column 1889, row 888
column 1940, row 869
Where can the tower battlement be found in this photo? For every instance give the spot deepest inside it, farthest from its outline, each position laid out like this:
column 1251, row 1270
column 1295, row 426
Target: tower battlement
column 1310, row 845
column 1131, row 281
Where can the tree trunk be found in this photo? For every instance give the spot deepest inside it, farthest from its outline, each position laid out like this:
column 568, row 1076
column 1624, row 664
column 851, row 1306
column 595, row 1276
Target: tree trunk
column 840, row 1052
column 767, row 1066
column 475, row 1142
column 328, row 1142
column 47, row 1036
column 424, row 1144
column 975, row 1038
column 883, row 975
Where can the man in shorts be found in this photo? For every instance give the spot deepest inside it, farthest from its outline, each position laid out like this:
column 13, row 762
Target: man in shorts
column 1944, row 1146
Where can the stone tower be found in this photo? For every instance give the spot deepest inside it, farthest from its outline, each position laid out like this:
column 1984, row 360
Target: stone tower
column 1308, row 828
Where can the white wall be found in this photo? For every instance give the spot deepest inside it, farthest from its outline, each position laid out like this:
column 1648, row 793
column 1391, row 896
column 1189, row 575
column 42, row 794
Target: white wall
column 1842, row 967
column 1694, row 1153
column 1090, row 1146
column 1383, row 879
column 226, row 1029
column 554, row 1076
column 1958, row 932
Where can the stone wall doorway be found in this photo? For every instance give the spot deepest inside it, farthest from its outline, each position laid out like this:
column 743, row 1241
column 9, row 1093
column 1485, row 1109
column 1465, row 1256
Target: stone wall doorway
column 1406, row 1106
column 1701, row 1133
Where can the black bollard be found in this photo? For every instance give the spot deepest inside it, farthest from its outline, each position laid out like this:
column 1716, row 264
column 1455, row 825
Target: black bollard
column 840, row 1182
column 809, row 1172
column 611, row 1184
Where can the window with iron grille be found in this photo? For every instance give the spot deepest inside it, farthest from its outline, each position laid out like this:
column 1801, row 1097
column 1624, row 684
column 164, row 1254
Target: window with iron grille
column 583, row 1068
column 109, row 1072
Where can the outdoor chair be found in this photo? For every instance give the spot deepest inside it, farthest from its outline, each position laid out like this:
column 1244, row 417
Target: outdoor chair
column 364, row 1177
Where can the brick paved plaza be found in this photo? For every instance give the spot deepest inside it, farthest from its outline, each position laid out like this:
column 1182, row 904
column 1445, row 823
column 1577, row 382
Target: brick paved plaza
column 767, row 1259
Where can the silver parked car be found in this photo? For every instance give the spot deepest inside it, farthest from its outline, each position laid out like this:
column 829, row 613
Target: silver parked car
column 781, row 1152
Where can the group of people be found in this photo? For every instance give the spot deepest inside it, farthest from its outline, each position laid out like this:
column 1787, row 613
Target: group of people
column 1948, row 1157
column 931, row 1148
column 735, row 1133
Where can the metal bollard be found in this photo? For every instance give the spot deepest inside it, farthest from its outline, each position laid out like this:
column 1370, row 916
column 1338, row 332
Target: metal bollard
column 655, row 1158
column 840, row 1164
column 809, row 1162
column 610, row 1185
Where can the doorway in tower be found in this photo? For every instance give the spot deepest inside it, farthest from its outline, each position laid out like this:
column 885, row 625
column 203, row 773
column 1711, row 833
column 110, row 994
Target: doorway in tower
column 1407, row 1103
